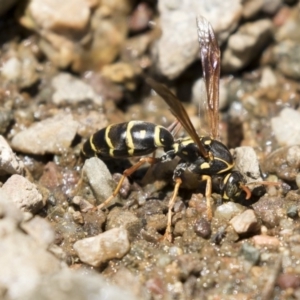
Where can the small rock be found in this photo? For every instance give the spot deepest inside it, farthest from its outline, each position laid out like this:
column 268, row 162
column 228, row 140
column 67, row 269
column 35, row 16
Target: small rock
column 23, row 193
column 11, row 69
column 140, row 17
column 178, row 46
column 6, row 117
column 40, row 229
column 270, row 210
column 247, row 163
column 53, row 135
column 126, row 219
column 52, row 176
column 266, row 241
column 202, row 228
column 288, row 53
column 95, row 172
column 244, row 45
column 83, row 204
column 70, row 90
column 286, row 127
column 157, row 222
column 286, row 281
column 52, row 15
column 228, row 210
column 9, row 162
column 284, row 162
column 250, row 253
column 246, row 222
column 96, row 250
column 77, row 217
column 292, row 212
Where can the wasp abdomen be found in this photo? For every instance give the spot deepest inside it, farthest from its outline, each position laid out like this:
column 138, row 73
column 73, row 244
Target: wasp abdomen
column 134, row 138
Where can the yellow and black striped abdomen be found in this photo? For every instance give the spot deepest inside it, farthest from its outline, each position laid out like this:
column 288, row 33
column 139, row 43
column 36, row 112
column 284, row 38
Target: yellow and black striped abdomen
column 134, row 138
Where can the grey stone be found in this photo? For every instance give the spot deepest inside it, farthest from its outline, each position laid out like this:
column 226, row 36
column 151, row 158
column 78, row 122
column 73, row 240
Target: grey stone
column 245, row 44
column 178, row 46
column 52, row 135
column 245, row 222
column 70, row 90
column 23, row 193
column 286, row 127
column 95, row 172
column 9, row 162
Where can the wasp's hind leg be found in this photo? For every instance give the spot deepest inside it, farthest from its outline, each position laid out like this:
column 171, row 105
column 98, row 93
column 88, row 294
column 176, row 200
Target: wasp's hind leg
column 168, row 233
column 208, row 195
column 126, row 173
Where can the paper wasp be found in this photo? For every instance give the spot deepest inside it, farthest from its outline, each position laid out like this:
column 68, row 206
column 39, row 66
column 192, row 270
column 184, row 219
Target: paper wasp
column 202, row 155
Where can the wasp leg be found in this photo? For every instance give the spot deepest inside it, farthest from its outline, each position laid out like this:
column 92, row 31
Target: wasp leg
column 126, row 173
column 168, row 233
column 208, row 195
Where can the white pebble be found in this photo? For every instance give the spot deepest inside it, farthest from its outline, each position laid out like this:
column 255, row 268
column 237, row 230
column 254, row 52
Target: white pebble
column 96, row 250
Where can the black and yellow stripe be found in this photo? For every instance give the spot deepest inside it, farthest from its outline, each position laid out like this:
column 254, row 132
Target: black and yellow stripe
column 134, row 138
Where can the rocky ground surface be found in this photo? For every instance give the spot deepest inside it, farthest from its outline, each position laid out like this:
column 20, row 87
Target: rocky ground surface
column 69, row 69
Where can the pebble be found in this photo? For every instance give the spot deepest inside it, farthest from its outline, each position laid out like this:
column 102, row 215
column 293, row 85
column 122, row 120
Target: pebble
column 202, row 228
column 292, row 212
column 245, row 222
column 265, row 241
column 83, row 204
column 53, row 135
column 288, row 53
column 178, row 46
column 70, row 90
column 250, row 253
column 286, row 281
column 228, row 210
column 96, row 250
column 23, row 193
column 9, row 162
column 6, row 117
column 284, row 162
column 95, row 172
column 286, row 127
column 51, row 15
column 246, row 162
column 244, row 45
column 270, row 210
column 126, row 219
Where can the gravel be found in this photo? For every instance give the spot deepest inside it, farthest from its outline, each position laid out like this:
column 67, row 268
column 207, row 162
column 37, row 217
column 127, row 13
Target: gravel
column 113, row 243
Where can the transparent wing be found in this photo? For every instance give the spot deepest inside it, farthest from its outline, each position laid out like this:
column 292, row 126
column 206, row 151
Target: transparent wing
column 210, row 59
column 178, row 111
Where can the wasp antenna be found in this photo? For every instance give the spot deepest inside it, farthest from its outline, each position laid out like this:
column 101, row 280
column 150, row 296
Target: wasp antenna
column 246, row 190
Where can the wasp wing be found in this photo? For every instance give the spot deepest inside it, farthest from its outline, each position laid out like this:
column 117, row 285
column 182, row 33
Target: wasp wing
column 210, row 59
column 178, row 111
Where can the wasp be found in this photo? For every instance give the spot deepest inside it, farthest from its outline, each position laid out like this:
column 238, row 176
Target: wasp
column 204, row 156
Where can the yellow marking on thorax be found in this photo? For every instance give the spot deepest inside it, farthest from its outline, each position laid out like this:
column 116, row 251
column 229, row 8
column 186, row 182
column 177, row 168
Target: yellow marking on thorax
column 207, row 142
column 107, row 139
column 229, row 166
column 204, row 165
column 225, row 196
